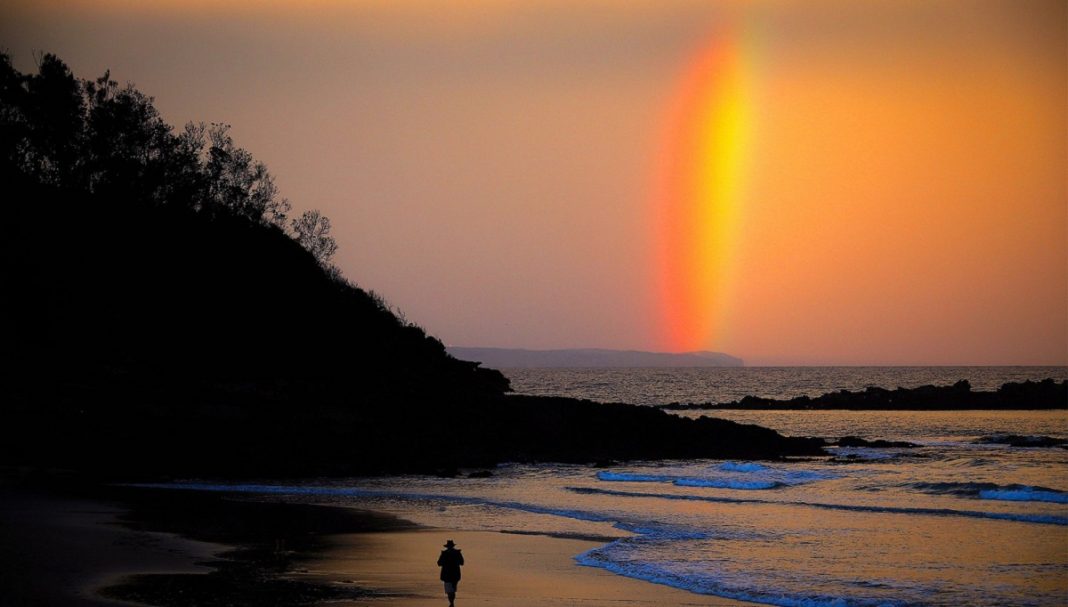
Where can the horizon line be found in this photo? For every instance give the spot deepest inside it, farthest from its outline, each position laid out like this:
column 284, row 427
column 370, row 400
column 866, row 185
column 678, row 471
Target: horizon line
column 762, row 363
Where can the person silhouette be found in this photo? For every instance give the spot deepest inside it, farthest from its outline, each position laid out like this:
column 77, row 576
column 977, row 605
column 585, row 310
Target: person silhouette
column 450, row 561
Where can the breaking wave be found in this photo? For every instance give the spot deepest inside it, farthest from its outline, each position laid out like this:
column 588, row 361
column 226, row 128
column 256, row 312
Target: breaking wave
column 745, row 476
column 1044, row 519
column 993, row 491
column 709, row 584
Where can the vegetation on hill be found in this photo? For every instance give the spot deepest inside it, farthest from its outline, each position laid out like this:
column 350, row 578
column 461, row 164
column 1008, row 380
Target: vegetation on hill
column 134, row 249
column 166, row 314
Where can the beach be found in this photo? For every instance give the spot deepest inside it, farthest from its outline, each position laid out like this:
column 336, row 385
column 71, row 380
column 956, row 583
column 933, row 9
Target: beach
column 955, row 508
column 501, row 569
column 113, row 547
column 62, row 549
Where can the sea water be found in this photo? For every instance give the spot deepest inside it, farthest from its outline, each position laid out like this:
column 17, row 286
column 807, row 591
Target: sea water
column 960, row 520
column 725, row 384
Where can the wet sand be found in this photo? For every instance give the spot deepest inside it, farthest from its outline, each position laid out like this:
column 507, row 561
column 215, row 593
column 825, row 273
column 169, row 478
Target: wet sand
column 63, row 550
column 500, row 569
column 184, row 548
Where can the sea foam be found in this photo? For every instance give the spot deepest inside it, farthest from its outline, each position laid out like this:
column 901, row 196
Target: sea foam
column 1025, row 494
column 745, row 476
column 616, row 559
column 723, row 483
column 993, row 491
column 1044, row 519
column 742, row 467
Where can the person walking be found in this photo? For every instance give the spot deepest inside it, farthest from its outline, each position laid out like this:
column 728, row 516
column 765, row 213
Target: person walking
column 450, row 562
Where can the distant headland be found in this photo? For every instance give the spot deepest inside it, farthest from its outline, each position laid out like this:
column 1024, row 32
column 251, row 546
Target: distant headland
column 505, row 358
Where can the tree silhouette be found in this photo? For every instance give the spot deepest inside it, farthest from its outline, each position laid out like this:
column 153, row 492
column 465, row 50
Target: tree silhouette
column 128, row 147
column 98, row 137
column 45, row 114
column 241, row 184
column 312, row 231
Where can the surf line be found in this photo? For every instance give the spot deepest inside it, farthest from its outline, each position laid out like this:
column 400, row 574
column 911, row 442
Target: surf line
column 1041, row 519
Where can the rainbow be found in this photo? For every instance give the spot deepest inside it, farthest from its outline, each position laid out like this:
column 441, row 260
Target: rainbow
column 699, row 192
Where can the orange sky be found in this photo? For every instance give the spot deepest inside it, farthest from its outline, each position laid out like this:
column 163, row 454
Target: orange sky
column 489, row 166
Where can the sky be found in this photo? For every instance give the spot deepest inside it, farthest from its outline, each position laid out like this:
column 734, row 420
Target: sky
column 827, row 182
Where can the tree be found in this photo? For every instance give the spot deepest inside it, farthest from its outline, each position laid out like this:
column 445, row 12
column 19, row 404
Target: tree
column 109, row 140
column 312, row 231
column 128, row 147
column 14, row 125
column 240, row 183
column 43, row 118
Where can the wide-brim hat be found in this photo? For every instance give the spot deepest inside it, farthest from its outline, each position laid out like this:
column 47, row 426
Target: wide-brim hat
column 450, row 544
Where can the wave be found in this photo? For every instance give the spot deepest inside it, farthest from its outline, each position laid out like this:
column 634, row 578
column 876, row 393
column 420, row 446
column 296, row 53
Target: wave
column 564, row 535
column 1027, row 494
column 993, row 491
column 1043, row 519
column 1018, row 440
column 794, row 477
column 746, row 476
column 970, row 462
column 785, row 476
column 720, row 483
column 862, row 453
column 708, row 584
column 742, row 467
column 627, row 477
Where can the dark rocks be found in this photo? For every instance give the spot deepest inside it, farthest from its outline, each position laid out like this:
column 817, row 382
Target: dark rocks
column 528, row 428
column 1045, row 394
column 856, row 441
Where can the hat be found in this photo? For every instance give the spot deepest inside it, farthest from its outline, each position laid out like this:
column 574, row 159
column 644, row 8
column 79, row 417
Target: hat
column 449, row 544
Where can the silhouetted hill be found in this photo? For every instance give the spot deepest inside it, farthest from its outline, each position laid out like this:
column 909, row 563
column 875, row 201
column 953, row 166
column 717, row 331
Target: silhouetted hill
column 116, row 288
column 133, row 251
column 504, row 358
column 166, row 316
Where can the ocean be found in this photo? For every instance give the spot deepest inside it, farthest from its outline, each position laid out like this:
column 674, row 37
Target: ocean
column 964, row 519
column 725, row 384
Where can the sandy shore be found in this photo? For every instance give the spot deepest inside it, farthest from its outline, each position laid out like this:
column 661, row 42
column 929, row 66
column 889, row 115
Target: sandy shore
column 60, row 550
column 501, row 569
column 186, row 548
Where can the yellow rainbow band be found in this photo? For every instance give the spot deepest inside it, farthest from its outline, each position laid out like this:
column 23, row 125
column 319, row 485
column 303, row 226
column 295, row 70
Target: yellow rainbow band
column 700, row 193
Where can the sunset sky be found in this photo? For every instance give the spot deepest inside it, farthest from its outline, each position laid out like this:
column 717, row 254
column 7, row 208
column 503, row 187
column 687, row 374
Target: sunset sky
column 879, row 182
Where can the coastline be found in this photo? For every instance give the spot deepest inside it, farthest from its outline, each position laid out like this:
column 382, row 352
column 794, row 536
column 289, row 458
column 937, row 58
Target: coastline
column 114, row 546
column 59, row 549
column 519, row 570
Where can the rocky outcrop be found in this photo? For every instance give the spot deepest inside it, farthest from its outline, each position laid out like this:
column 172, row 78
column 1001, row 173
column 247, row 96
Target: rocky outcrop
column 1045, row 394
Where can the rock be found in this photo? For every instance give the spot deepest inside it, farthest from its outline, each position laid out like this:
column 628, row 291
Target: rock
column 856, row 441
column 1016, row 440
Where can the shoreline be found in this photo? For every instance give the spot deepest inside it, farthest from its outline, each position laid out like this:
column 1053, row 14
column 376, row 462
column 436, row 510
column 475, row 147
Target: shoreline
column 61, row 549
column 109, row 546
column 519, row 570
